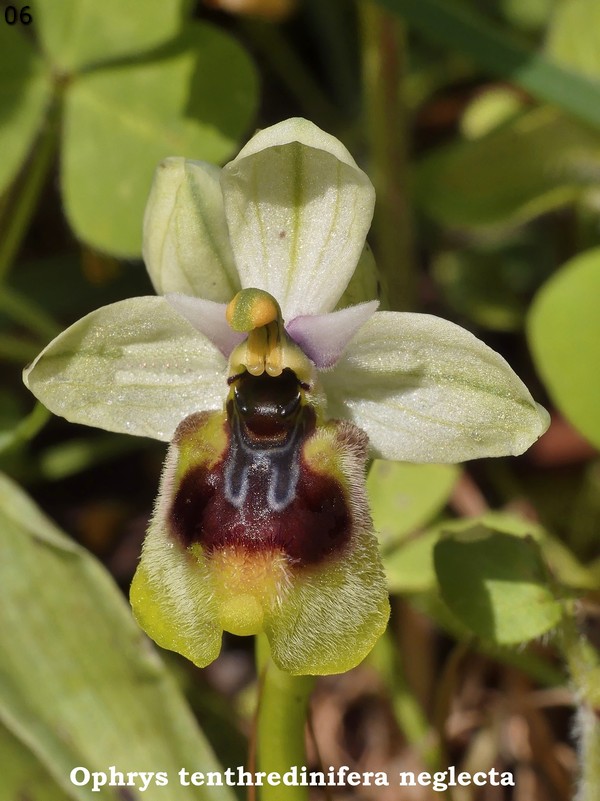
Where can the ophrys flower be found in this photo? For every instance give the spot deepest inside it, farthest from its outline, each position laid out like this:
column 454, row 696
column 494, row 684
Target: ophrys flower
column 272, row 399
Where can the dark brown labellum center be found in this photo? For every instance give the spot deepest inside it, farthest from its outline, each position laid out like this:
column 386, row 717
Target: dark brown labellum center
column 262, row 495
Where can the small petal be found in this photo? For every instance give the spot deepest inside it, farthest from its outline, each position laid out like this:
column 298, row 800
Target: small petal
column 186, row 243
column 324, row 337
column 135, row 367
column 426, row 390
column 209, row 318
column 298, row 210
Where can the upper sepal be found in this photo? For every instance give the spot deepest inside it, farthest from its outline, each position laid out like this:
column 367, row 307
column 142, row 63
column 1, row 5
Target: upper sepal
column 298, row 210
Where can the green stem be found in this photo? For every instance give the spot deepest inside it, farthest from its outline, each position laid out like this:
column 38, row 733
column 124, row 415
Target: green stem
column 24, row 311
column 282, row 59
column 583, row 661
column 385, row 114
column 282, row 712
column 459, row 26
column 23, row 202
column 329, row 23
column 17, row 349
column 26, row 429
column 409, row 713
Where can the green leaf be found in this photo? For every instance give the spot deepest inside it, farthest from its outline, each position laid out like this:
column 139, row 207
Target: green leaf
column 574, row 36
column 403, row 496
column 79, row 33
column 563, row 564
column 120, row 122
column 496, row 585
column 540, row 161
column 564, row 334
column 79, row 684
column 25, row 90
column 409, row 567
column 489, row 109
column 457, row 26
column 23, row 776
column 532, row 15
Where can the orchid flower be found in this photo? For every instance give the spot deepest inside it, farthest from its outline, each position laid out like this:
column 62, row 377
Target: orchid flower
column 272, row 399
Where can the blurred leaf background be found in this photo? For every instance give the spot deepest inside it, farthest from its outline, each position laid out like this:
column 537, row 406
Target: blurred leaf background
column 479, row 123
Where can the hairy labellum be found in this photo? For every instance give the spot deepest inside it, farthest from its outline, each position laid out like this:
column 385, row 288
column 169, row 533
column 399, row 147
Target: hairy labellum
column 262, row 524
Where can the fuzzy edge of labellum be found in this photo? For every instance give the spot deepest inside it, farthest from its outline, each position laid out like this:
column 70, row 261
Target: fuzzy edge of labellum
column 178, row 597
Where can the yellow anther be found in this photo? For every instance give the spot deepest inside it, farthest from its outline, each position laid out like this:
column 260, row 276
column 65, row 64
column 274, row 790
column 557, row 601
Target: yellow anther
column 252, row 308
column 268, row 348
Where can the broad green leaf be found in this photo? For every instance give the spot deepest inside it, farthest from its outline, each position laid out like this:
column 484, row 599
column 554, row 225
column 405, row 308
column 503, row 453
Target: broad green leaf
column 496, row 585
column 574, row 36
column 80, row 33
column 409, row 566
column 472, row 34
column 564, row 334
column 79, row 685
column 563, row 564
column 526, row 659
column 120, row 122
column 23, row 776
column 25, row 90
column 404, row 497
column 539, row 162
column 561, row 561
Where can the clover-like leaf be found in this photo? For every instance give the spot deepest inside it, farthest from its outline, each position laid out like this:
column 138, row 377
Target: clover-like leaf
column 404, row 496
column 496, row 584
column 25, row 90
column 121, row 121
column 81, row 33
column 564, row 332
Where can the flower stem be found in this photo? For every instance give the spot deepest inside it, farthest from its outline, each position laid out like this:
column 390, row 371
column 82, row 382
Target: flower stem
column 583, row 661
column 26, row 312
column 289, row 68
column 22, row 203
column 385, row 113
column 282, row 711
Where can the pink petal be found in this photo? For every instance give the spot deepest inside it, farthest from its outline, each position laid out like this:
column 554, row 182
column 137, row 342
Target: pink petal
column 207, row 317
column 324, row 337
